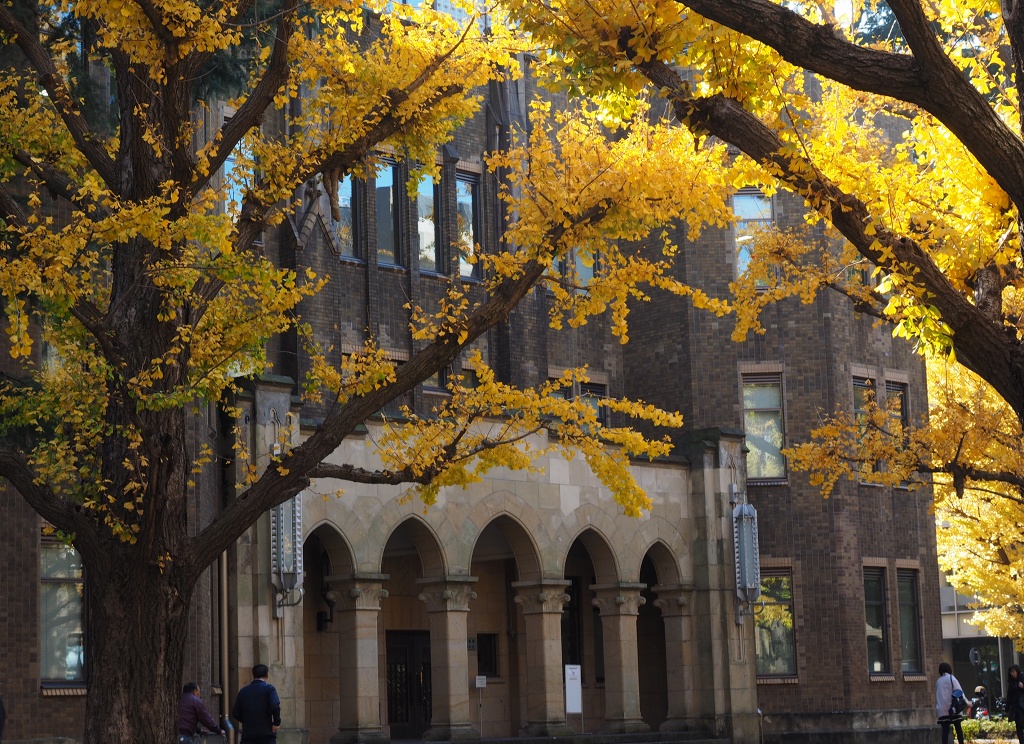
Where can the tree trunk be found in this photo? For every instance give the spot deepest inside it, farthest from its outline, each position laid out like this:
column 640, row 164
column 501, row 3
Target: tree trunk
column 138, row 627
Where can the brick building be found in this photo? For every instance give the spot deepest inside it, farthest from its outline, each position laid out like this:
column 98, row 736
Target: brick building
column 395, row 623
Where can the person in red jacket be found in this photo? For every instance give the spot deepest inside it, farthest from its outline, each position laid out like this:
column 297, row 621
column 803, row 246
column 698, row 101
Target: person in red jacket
column 193, row 715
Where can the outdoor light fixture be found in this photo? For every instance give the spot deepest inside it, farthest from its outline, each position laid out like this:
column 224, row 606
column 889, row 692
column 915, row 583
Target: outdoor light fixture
column 748, row 565
column 286, row 552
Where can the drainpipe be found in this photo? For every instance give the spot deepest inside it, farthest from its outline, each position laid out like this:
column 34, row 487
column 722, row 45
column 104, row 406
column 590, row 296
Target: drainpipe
column 225, row 672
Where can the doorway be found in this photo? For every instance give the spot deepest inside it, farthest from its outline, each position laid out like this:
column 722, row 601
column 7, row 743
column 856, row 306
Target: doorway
column 408, row 683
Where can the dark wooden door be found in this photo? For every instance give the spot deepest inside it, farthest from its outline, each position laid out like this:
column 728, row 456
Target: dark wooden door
column 408, row 683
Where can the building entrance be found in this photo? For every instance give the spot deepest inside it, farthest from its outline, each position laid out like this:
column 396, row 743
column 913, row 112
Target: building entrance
column 408, row 683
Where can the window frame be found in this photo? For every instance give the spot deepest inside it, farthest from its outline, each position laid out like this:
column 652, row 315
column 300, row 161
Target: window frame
column 355, row 218
column 762, row 378
column 397, row 193
column 439, row 252
column 488, row 664
column 914, row 609
column 877, row 573
column 780, row 573
column 741, row 224
column 46, row 543
column 468, row 271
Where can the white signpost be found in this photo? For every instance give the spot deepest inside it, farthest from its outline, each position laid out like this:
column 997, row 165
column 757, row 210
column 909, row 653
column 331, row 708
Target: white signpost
column 481, row 683
column 574, row 692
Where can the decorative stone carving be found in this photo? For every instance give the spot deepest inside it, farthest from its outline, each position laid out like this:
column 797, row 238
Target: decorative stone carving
column 673, row 599
column 356, row 593
column 450, row 594
column 543, row 596
column 618, row 599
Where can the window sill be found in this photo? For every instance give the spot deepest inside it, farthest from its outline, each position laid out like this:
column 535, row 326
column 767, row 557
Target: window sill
column 768, row 482
column 396, row 268
column 778, row 680
column 881, row 677
column 915, row 677
column 64, row 689
column 354, row 260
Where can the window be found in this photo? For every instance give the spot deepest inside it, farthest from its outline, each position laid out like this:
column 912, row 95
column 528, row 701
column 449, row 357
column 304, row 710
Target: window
column 61, row 614
column 344, row 229
column 896, row 403
column 577, row 269
column 487, row 654
column 239, row 171
column 874, row 610
column 776, row 642
column 572, row 624
column 763, row 424
column 863, row 394
column 910, row 622
column 753, row 211
column 592, row 395
column 467, row 201
column 427, row 201
column 388, row 214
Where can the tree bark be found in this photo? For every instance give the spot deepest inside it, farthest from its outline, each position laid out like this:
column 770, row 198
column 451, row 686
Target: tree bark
column 138, row 627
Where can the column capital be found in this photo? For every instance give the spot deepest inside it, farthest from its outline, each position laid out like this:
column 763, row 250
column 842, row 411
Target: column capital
column 673, row 599
column 447, row 593
column 618, row 599
column 356, row 591
column 543, row 596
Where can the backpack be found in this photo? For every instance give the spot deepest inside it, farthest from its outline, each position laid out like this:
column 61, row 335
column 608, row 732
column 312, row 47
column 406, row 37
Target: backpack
column 958, row 703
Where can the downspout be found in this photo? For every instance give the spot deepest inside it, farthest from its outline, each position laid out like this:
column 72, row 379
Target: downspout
column 225, row 672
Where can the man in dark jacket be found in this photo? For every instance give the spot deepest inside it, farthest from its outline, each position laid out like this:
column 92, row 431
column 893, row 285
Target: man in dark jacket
column 258, row 708
column 192, row 714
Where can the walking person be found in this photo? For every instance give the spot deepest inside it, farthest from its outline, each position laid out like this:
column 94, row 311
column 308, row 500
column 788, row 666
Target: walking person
column 944, row 699
column 1015, row 700
column 193, row 715
column 258, row 709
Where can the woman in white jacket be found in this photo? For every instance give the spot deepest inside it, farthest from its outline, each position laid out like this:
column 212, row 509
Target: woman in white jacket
column 943, row 699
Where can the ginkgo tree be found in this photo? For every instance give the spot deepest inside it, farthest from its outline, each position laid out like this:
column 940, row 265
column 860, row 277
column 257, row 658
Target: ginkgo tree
column 906, row 148
column 134, row 288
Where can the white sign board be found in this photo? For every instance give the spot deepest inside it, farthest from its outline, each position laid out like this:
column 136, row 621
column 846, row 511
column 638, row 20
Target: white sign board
column 573, row 689
column 481, row 681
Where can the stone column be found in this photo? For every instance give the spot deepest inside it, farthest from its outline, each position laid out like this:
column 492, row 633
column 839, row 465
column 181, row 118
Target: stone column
column 447, row 601
column 674, row 603
column 619, row 606
column 357, row 607
column 542, row 603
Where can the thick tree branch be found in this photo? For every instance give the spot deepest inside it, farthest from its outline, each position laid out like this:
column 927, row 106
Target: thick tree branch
column 983, row 346
column 62, row 515
column 85, row 140
column 283, row 480
column 59, row 184
column 251, row 112
column 930, row 81
column 10, row 210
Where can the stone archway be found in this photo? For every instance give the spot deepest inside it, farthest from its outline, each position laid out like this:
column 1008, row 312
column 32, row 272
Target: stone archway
column 657, row 568
column 325, row 554
column 506, row 634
